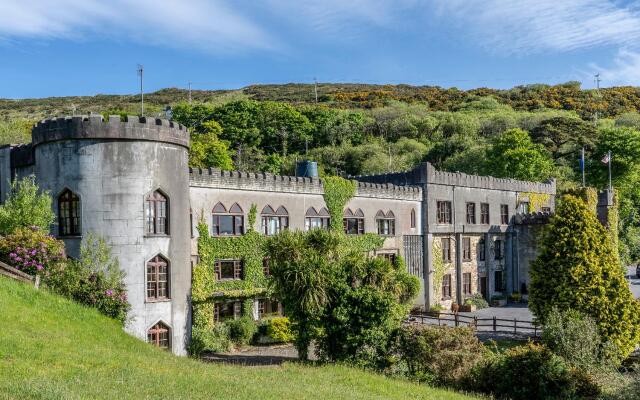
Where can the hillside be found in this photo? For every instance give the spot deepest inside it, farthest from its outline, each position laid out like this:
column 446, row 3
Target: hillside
column 569, row 96
column 53, row 348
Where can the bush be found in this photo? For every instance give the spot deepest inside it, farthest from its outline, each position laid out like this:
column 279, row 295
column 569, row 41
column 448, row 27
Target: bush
column 242, row 330
column 437, row 308
column 531, row 371
column 33, row 251
column 574, row 337
column 279, row 330
column 478, row 301
column 25, row 208
column 438, row 355
column 215, row 340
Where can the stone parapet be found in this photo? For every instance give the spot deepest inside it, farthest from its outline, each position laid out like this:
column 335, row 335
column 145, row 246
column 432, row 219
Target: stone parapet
column 262, row 181
column 115, row 128
column 537, row 218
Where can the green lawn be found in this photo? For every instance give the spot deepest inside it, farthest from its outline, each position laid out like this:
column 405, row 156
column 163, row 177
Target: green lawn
column 51, row 348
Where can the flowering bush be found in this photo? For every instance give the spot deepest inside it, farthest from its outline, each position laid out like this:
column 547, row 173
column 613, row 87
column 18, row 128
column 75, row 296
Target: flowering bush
column 32, row 250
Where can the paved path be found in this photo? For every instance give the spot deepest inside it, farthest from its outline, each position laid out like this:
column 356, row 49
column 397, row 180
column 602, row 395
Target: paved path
column 634, row 281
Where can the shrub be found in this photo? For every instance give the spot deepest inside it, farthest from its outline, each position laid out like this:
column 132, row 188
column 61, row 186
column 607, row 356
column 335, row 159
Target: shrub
column 574, row 337
column 515, row 297
column 279, row 330
column 437, row 308
column 32, row 251
column 531, row 371
column 25, row 207
column 215, row 340
column 438, row 355
column 578, row 268
column 478, row 301
column 242, row 330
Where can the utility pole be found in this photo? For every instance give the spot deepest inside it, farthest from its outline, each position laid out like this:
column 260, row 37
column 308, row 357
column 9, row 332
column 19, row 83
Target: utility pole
column 190, row 92
column 141, row 75
column 597, row 81
column 315, row 88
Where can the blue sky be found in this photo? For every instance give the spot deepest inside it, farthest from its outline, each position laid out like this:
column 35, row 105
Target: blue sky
column 87, row 47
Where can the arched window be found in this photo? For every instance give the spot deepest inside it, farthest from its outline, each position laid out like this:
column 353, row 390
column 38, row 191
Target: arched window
column 158, row 278
column 68, row 214
column 316, row 219
column 413, row 217
column 157, row 213
column 227, row 223
column 160, row 335
column 353, row 222
column 386, row 223
column 274, row 221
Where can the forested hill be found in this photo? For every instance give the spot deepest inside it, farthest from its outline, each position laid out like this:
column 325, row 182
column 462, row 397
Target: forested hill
column 607, row 102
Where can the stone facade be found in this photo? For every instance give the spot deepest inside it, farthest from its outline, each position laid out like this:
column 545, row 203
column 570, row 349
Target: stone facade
column 114, row 165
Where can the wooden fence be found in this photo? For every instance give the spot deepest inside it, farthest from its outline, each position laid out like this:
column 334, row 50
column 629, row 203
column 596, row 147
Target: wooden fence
column 7, row 270
column 513, row 326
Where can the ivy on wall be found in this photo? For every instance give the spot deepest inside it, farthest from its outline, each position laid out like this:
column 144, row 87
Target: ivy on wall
column 337, row 193
column 536, row 200
column 439, row 268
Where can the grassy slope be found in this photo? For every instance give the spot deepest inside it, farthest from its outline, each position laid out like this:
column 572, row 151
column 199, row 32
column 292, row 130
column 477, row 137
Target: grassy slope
column 53, row 348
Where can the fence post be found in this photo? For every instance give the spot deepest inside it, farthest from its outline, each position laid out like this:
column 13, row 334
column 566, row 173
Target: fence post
column 475, row 323
column 515, row 325
column 494, row 323
column 456, row 318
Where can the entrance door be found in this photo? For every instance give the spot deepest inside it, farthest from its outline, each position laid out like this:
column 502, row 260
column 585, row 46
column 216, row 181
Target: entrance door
column 483, row 287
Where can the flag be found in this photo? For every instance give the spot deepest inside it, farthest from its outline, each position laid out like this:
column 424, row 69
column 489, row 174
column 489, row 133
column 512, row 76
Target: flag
column 606, row 159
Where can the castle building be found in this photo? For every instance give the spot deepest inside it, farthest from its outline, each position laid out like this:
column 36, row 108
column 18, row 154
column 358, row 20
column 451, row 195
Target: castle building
column 128, row 180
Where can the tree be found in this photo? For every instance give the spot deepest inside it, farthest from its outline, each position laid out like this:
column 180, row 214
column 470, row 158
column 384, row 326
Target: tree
column 564, row 137
column 26, row 207
column 578, row 268
column 282, row 127
column 513, row 155
column 207, row 150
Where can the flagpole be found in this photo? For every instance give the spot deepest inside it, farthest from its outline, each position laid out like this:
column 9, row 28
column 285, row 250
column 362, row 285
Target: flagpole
column 610, row 170
column 582, row 165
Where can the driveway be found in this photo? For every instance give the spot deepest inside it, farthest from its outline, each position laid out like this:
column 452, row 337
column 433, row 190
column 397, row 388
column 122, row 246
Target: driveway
column 634, row 282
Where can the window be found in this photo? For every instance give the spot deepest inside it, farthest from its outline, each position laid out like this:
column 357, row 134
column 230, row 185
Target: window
column 157, row 214
column 353, row 222
column 68, row 214
column 391, row 257
column 524, row 207
column 471, row 213
column 274, row 221
column 498, row 249
column 268, row 307
column 446, row 287
column 466, row 249
column 481, row 250
column 484, row 213
column 224, row 311
column 386, row 223
column 228, row 269
column 227, row 223
column 545, row 209
column 466, row 283
column 159, row 335
column 446, row 249
column 413, row 218
column 444, row 212
column 504, row 214
column 265, row 266
column 314, row 219
column 498, row 281
column 157, row 278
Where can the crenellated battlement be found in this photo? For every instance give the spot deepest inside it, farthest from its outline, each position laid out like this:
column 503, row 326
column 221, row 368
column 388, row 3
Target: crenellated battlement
column 113, row 128
column 426, row 173
column 536, row 218
column 263, row 181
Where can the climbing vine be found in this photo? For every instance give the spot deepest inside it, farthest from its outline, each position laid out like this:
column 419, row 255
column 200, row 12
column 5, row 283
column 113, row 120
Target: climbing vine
column 536, row 200
column 251, row 218
column 439, row 268
column 337, row 192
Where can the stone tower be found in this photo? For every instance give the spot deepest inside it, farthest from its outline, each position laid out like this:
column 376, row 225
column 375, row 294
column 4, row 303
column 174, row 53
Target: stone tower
column 114, row 166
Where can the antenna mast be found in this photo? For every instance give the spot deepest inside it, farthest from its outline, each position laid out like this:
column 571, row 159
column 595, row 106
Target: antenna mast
column 141, row 75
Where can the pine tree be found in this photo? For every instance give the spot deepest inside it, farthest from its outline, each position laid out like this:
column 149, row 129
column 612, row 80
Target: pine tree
column 578, row 268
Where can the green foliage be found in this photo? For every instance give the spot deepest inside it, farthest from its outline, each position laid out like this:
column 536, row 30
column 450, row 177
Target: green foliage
column 334, row 294
column 207, row 150
column 536, row 200
column 279, row 330
column 337, row 192
column 15, row 131
column 577, row 268
column 242, row 330
column 438, row 355
column 513, row 155
column 564, row 137
column 26, row 207
column 439, row 268
column 251, row 217
column 216, row 339
column 32, row 251
column 531, row 372
column 478, row 301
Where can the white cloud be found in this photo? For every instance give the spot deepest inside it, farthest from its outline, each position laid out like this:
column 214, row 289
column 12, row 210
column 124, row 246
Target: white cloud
column 624, row 71
column 209, row 25
column 530, row 26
